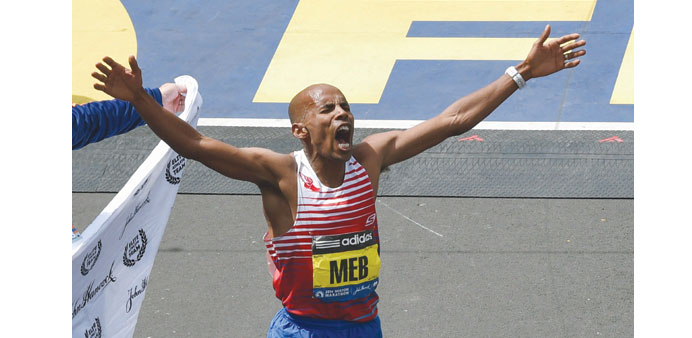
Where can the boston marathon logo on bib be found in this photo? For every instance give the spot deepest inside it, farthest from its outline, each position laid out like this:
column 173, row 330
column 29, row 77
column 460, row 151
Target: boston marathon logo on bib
column 344, row 267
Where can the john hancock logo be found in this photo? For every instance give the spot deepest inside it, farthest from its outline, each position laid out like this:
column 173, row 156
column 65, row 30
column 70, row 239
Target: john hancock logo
column 90, row 259
column 174, row 169
column 134, row 250
column 94, row 331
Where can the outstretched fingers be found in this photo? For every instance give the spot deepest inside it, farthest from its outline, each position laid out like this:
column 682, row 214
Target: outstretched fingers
column 544, row 36
column 99, row 76
column 571, row 58
column 572, row 45
column 566, row 38
column 105, row 70
column 133, row 64
column 109, row 61
column 100, row 87
column 572, row 64
column 570, row 54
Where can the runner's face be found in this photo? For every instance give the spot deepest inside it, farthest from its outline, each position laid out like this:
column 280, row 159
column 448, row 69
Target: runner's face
column 330, row 123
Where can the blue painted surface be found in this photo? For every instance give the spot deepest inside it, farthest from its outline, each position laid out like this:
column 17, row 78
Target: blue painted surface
column 491, row 29
column 225, row 45
column 228, row 45
column 589, row 93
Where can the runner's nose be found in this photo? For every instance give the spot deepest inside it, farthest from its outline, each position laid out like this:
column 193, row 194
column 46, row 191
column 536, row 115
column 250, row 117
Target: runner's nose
column 341, row 114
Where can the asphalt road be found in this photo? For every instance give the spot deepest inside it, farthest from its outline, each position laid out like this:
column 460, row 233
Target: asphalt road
column 452, row 267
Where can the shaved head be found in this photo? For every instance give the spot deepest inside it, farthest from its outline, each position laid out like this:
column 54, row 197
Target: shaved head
column 321, row 118
column 300, row 103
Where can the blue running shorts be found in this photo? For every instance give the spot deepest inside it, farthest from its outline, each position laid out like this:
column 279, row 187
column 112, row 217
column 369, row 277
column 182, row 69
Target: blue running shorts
column 286, row 325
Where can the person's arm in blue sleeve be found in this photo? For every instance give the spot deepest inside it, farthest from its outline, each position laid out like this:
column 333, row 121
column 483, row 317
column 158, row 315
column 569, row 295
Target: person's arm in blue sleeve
column 95, row 121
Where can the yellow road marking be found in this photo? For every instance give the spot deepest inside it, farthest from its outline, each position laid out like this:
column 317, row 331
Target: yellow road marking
column 354, row 44
column 99, row 28
column 623, row 92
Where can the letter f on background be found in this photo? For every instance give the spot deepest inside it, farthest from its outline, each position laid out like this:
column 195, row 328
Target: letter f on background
column 357, row 54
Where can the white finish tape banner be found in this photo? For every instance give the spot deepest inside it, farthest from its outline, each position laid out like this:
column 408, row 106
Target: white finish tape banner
column 112, row 260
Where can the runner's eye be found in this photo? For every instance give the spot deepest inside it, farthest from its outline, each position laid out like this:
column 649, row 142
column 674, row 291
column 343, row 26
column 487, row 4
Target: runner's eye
column 327, row 108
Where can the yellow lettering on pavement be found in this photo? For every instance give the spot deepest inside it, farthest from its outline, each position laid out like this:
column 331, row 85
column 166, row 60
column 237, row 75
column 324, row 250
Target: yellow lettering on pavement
column 354, row 44
column 623, row 92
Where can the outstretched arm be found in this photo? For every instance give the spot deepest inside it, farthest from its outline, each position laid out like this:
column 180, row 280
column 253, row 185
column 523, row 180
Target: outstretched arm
column 98, row 120
column 259, row 166
column 545, row 58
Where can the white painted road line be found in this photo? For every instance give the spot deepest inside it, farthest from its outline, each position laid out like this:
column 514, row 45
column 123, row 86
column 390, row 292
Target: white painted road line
column 405, row 124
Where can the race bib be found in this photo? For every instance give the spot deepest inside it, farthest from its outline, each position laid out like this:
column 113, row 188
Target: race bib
column 344, row 267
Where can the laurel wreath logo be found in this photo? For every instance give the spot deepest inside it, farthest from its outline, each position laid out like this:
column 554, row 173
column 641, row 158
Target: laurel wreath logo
column 97, row 330
column 169, row 177
column 85, row 270
column 130, row 262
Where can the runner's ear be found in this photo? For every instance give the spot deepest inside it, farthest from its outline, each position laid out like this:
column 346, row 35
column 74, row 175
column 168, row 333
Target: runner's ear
column 299, row 131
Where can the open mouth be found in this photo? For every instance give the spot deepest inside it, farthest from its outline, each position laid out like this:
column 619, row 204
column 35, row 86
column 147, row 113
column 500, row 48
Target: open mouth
column 343, row 137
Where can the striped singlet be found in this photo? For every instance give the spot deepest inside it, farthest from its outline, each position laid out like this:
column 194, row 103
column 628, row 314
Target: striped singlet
column 327, row 265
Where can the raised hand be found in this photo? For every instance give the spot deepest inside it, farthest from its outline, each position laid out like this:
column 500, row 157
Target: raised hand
column 555, row 55
column 118, row 81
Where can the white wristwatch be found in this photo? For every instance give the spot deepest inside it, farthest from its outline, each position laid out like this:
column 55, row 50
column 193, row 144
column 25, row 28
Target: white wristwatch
column 516, row 76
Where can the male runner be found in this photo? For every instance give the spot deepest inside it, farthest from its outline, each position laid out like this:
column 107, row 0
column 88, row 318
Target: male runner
column 319, row 205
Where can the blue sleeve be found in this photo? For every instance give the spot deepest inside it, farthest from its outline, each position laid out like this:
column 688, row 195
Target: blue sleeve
column 95, row 121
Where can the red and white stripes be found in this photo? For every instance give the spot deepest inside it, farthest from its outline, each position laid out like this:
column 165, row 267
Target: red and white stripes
column 324, row 211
